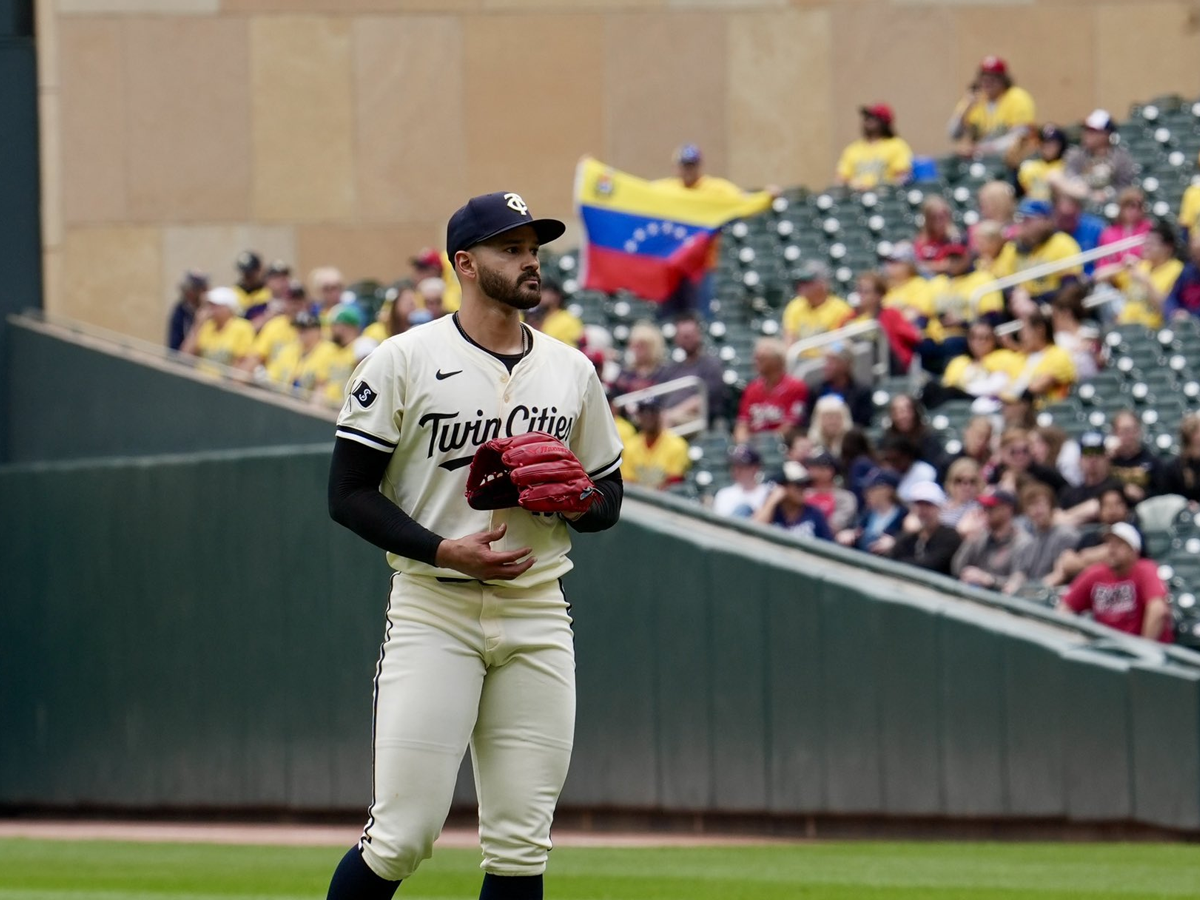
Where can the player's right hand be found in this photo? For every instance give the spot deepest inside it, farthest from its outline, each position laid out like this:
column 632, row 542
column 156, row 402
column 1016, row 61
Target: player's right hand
column 474, row 557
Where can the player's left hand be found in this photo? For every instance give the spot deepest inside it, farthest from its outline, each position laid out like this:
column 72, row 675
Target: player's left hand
column 548, row 476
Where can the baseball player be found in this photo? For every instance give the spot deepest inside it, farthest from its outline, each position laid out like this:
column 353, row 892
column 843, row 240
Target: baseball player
column 478, row 649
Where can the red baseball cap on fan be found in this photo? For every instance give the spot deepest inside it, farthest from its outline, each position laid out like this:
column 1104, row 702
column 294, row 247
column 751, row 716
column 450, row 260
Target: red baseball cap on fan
column 428, row 258
column 880, row 111
column 993, row 65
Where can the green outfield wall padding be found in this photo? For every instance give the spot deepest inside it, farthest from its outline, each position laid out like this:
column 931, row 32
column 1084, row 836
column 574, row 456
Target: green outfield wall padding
column 193, row 632
column 1034, row 742
column 66, row 400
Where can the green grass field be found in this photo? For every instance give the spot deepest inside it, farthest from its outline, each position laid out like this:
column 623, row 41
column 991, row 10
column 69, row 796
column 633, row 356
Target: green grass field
column 103, row 870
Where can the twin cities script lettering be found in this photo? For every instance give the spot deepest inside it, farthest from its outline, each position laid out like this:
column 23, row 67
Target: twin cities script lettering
column 448, row 433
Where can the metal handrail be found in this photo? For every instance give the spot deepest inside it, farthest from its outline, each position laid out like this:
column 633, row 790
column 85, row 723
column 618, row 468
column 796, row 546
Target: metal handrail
column 692, row 426
column 861, row 329
column 864, row 328
column 1058, row 265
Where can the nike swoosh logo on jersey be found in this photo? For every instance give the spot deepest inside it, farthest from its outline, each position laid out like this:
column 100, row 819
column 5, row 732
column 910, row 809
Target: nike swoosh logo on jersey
column 442, row 376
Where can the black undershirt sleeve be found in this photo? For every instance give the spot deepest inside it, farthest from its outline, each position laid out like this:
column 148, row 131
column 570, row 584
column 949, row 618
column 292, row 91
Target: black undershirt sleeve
column 604, row 511
column 355, row 502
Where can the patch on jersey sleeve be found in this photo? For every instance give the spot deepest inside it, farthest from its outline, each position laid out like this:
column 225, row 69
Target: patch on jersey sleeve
column 364, row 394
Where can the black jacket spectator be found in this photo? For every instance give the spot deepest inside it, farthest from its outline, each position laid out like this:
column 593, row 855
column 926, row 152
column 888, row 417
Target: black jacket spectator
column 838, row 380
column 182, row 318
column 908, row 420
column 1182, row 476
column 689, row 338
column 1073, row 495
column 857, row 397
column 934, row 554
column 1131, row 462
column 1097, row 478
column 191, row 292
column 1142, row 469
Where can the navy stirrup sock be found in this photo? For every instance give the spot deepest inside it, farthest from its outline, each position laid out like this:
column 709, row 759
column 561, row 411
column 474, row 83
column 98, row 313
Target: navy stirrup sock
column 354, row 880
column 511, row 887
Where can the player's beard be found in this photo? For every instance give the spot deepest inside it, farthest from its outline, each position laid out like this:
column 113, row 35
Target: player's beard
column 519, row 294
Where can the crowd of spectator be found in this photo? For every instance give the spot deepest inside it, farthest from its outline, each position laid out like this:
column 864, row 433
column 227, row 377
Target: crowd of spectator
column 1017, row 507
column 304, row 339
column 1013, row 506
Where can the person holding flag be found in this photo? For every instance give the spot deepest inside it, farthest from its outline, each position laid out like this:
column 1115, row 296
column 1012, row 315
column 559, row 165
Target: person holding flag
column 658, row 239
column 697, row 293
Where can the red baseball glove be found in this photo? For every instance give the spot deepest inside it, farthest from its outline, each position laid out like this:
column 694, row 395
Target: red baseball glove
column 535, row 471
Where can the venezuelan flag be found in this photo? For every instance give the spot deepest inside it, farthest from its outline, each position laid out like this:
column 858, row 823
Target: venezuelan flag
column 645, row 236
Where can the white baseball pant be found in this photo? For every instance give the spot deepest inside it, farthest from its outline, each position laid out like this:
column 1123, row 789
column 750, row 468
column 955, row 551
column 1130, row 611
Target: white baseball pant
column 470, row 663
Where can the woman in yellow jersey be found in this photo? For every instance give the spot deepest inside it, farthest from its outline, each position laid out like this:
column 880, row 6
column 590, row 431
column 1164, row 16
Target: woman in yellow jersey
column 304, row 363
column 1146, row 282
column 1189, row 210
column 1047, row 371
column 219, row 336
column 279, row 330
column 908, row 291
column 954, row 293
column 985, row 370
column 1034, row 174
column 552, row 317
column 394, row 315
column 878, row 157
column 995, row 113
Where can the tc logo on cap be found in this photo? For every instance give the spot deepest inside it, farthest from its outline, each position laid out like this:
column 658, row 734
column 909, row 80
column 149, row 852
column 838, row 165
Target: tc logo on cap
column 516, row 203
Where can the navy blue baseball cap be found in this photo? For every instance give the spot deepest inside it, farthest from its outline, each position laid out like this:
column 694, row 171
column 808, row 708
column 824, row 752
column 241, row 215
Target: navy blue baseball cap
column 744, row 455
column 650, row 404
column 881, row 478
column 488, row 215
column 1051, row 132
column 1037, row 209
column 821, row 458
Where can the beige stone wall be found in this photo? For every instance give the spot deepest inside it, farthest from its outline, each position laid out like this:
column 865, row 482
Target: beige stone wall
column 176, row 133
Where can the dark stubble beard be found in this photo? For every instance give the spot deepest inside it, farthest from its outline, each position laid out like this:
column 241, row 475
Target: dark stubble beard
column 518, row 294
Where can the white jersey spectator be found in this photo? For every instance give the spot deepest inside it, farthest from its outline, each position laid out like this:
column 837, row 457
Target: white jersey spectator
column 749, row 492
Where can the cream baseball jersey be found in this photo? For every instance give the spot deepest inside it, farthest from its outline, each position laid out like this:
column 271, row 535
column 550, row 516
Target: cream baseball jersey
column 431, row 397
